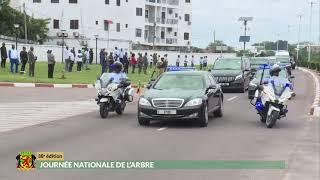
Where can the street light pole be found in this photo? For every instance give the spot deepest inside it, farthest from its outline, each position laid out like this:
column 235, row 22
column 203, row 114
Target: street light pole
column 154, row 35
column 96, row 36
column 62, row 32
column 299, row 32
column 16, row 26
column 245, row 21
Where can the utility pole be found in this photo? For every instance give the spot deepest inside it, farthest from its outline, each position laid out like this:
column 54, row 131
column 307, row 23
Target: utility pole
column 245, row 40
column 154, row 35
column 299, row 34
column 214, row 36
column 310, row 29
column 25, row 23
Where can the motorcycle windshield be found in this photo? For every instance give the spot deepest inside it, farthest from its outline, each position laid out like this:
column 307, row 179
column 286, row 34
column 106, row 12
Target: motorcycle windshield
column 105, row 80
column 279, row 85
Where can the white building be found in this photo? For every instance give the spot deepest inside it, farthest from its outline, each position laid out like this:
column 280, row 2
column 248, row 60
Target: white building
column 166, row 24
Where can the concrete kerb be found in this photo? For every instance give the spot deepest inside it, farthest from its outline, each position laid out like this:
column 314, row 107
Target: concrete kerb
column 315, row 108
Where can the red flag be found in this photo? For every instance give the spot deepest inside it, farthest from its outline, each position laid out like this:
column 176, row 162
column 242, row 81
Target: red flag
column 139, row 88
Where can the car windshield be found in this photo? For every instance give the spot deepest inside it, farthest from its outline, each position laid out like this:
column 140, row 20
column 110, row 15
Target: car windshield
column 266, row 74
column 180, row 81
column 283, row 59
column 227, row 64
column 258, row 61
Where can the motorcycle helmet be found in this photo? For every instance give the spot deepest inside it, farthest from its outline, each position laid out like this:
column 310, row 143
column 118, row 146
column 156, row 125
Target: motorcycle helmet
column 117, row 66
column 275, row 70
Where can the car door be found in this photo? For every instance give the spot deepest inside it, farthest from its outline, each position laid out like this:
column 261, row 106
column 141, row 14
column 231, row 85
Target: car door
column 210, row 94
column 216, row 92
column 247, row 72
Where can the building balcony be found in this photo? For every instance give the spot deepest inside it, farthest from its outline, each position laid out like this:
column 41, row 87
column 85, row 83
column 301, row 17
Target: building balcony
column 171, row 41
column 167, row 2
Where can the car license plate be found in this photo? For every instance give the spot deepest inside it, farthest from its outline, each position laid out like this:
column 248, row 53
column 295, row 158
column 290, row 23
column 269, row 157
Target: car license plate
column 225, row 84
column 166, row 112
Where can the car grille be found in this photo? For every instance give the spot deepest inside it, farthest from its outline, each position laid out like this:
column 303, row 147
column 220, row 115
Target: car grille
column 167, row 103
column 225, row 79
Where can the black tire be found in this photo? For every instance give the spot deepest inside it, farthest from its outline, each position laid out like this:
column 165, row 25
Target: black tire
column 143, row 122
column 103, row 111
column 204, row 117
column 263, row 118
column 272, row 119
column 242, row 89
column 219, row 112
column 120, row 110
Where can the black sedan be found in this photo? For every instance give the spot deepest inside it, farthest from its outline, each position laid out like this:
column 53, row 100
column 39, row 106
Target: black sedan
column 181, row 96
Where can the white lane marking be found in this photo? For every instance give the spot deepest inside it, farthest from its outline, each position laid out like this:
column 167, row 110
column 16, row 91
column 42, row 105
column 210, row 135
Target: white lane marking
column 233, row 98
column 162, row 129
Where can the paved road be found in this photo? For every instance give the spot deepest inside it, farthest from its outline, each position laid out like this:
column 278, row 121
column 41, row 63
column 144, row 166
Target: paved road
column 237, row 136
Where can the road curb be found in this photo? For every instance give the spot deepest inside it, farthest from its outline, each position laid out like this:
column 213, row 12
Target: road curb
column 50, row 85
column 315, row 108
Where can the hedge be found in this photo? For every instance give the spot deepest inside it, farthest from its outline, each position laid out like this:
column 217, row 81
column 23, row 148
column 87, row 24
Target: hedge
column 310, row 65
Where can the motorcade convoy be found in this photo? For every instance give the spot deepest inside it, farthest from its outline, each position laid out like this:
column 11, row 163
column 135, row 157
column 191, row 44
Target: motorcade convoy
column 232, row 73
column 183, row 96
column 256, row 62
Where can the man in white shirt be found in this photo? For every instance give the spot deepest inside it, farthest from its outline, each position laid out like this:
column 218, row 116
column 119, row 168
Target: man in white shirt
column 205, row 62
column 87, row 59
column 186, row 61
column 121, row 54
column 178, row 61
column 66, row 56
column 14, row 59
column 116, row 54
column 192, row 61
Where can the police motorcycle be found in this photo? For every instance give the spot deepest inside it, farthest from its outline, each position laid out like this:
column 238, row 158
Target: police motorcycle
column 112, row 94
column 271, row 97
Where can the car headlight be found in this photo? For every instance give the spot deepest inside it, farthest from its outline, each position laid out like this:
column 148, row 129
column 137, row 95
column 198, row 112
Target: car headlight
column 194, row 102
column 238, row 77
column 144, row 102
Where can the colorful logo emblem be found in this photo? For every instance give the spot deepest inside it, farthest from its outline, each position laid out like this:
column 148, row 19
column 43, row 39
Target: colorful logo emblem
column 25, row 161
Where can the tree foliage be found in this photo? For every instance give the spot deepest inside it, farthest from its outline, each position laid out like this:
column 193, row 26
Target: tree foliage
column 37, row 28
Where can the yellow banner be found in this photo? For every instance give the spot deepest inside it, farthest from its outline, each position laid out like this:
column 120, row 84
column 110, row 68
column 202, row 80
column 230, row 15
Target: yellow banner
column 50, row 156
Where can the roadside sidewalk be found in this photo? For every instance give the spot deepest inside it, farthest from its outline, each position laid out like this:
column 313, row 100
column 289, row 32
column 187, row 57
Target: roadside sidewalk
column 315, row 108
column 49, row 85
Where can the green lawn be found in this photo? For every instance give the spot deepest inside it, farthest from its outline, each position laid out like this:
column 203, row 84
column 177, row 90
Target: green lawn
column 84, row 77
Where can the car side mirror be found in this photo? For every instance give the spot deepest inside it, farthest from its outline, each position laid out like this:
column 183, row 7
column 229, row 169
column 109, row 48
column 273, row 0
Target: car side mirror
column 148, row 86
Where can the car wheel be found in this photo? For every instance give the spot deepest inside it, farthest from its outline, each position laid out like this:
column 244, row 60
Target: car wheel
column 219, row 112
column 204, row 119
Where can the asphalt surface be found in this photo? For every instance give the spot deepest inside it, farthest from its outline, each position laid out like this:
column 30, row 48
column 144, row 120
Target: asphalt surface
column 237, row 136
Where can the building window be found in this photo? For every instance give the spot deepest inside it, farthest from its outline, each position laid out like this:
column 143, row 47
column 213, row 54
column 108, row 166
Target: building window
column 55, row 24
column 106, row 25
column 54, row 1
column 36, row 1
column 147, row 14
column 106, row 2
column 162, row 35
column 118, row 3
column 139, row 11
column 118, row 27
column 74, row 24
column 188, row 1
column 176, row 15
column 127, row 25
column 97, row 22
column 73, row 1
column 187, row 17
column 186, row 36
column 138, row 32
column 175, row 33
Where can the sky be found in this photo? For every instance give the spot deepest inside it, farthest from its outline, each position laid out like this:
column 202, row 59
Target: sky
column 271, row 20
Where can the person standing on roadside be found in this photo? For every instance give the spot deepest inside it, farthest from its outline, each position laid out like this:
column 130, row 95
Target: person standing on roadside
column 205, row 62
column 79, row 60
column 87, row 59
column 192, row 61
column 151, row 60
column 178, row 61
column 140, row 63
column 14, row 59
column 24, row 60
column 133, row 62
column 72, row 59
column 126, row 63
column 51, row 63
column 166, row 62
column 103, row 61
column 4, row 55
column 145, row 63
column 186, row 61
column 111, row 62
column 155, row 59
column 201, row 63
column 121, row 54
column 32, row 61
column 116, row 54
column 91, row 56
column 66, row 55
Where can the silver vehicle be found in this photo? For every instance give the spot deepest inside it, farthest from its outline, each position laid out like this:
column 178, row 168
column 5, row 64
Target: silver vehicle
column 112, row 96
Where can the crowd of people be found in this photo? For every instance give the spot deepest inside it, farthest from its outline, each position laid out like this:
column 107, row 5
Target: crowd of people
column 139, row 63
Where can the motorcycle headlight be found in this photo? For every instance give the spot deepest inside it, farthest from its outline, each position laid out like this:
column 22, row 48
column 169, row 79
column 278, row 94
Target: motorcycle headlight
column 238, row 77
column 194, row 102
column 144, row 102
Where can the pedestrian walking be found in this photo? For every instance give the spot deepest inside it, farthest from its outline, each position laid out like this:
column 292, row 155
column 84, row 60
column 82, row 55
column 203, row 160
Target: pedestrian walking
column 151, row 60
column 121, row 54
column 133, row 62
column 72, row 59
column 103, row 61
column 126, row 63
column 79, row 60
column 186, row 61
column 14, row 59
column 192, row 61
column 91, row 56
column 161, row 66
column 87, row 59
column 116, row 54
column 201, row 63
column 178, row 61
column 205, row 62
column 155, row 59
column 32, row 61
column 145, row 63
column 51, row 63
column 4, row 55
column 111, row 62
column 66, row 55
column 23, row 59
column 140, row 63
column 166, row 62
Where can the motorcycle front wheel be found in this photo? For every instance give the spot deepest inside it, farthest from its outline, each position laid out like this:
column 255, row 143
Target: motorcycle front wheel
column 272, row 119
column 104, row 110
column 120, row 109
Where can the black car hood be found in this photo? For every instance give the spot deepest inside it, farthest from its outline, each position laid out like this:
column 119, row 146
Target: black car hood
column 218, row 73
column 173, row 93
